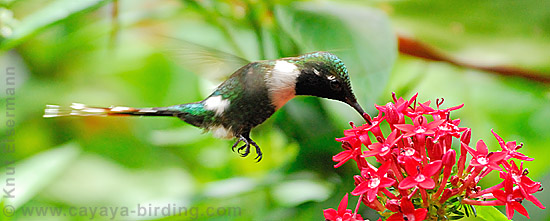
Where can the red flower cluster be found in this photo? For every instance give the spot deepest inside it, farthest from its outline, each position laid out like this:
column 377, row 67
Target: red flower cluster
column 420, row 177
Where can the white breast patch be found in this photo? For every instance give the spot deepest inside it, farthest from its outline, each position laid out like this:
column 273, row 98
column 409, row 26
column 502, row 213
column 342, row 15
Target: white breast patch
column 281, row 82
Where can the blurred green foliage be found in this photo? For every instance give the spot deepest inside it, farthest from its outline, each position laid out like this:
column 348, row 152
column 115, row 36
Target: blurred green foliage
column 109, row 52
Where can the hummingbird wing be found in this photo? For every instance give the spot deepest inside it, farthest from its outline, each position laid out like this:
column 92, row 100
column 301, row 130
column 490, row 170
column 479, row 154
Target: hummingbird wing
column 208, row 62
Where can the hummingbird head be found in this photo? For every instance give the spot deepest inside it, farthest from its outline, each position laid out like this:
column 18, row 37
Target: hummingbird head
column 322, row 74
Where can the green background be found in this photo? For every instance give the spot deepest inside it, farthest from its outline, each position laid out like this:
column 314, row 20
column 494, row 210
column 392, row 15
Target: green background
column 141, row 55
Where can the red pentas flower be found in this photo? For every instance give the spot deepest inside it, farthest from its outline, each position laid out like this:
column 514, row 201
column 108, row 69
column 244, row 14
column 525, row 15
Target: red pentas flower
column 511, row 149
column 482, row 158
column 449, row 129
column 373, row 181
column 384, row 147
column 408, row 212
column 408, row 153
column 420, row 177
column 410, row 184
column 395, row 112
column 524, row 183
column 420, row 127
column 361, row 132
column 349, row 153
column 343, row 213
column 511, row 198
column 439, row 113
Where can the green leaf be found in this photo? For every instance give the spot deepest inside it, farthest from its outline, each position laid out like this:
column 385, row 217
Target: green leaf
column 362, row 37
column 487, row 213
column 35, row 173
column 48, row 16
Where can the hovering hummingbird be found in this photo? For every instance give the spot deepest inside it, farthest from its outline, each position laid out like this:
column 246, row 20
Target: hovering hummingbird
column 247, row 98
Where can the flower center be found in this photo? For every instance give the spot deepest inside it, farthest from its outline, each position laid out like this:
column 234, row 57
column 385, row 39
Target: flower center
column 444, row 128
column 419, row 178
column 374, row 182
column 516, row 177
column 420, row 130
column 409, row 152
column 482, row 160
column 510, row 197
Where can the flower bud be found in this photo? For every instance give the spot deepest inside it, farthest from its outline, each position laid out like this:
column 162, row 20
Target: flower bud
column 455, row 180
column 449, row 159
column 392, row 205
column 466, row 136
column 447, row 193
column 346, row 145
column 358, row 179
column 392, row 114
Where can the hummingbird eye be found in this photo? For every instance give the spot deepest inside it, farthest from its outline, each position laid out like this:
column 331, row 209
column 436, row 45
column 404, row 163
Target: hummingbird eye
column 335, row 85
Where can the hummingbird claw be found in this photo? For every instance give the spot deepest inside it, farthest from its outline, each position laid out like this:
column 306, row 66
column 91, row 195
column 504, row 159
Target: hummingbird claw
column 258, row 157
column 237, row 143
column 246, row 147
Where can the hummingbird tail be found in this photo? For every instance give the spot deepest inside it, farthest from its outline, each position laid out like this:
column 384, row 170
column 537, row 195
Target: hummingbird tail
column 77, row 109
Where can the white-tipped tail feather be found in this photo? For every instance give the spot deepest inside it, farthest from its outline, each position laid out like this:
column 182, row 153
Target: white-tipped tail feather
column 75, row 109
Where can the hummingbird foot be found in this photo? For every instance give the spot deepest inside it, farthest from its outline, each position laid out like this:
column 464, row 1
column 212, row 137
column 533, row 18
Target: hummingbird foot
column 258, row 151
column 246, row 147
column 241, row 138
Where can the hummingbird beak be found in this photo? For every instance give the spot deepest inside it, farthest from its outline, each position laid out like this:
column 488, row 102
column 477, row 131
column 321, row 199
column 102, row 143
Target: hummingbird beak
column 353, row 103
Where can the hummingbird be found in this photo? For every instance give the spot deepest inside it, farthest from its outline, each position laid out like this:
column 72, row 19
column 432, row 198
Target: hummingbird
column 247, row 98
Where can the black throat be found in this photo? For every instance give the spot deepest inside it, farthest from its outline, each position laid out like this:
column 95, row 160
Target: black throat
column 310, row 83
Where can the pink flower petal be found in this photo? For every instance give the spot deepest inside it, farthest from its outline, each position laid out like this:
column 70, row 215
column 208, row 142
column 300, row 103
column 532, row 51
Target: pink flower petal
column 500, row 195
column 509, row 211
column 384, row 168
column 482, row 148
column 361, row 188
column 385, row 182
column 428, row 183
column 405, row 127
column 395, row 217
column 420, row 214
column 407, row 183
column 343, row 204
column 330, row 214
column 342, row 155
column 435, row 124
column 432, row 168
column 370, row 153
column 500, row 140
column 371, row 195
column 518, row 207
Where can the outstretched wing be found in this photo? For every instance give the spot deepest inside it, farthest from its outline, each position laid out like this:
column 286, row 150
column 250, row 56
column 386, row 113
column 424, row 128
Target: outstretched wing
column 211, row 63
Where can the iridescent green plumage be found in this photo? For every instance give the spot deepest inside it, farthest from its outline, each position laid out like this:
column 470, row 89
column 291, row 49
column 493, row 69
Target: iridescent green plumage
column 329, row 59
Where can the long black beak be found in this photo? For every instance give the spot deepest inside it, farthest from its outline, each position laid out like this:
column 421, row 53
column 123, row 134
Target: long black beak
column 353, row 103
